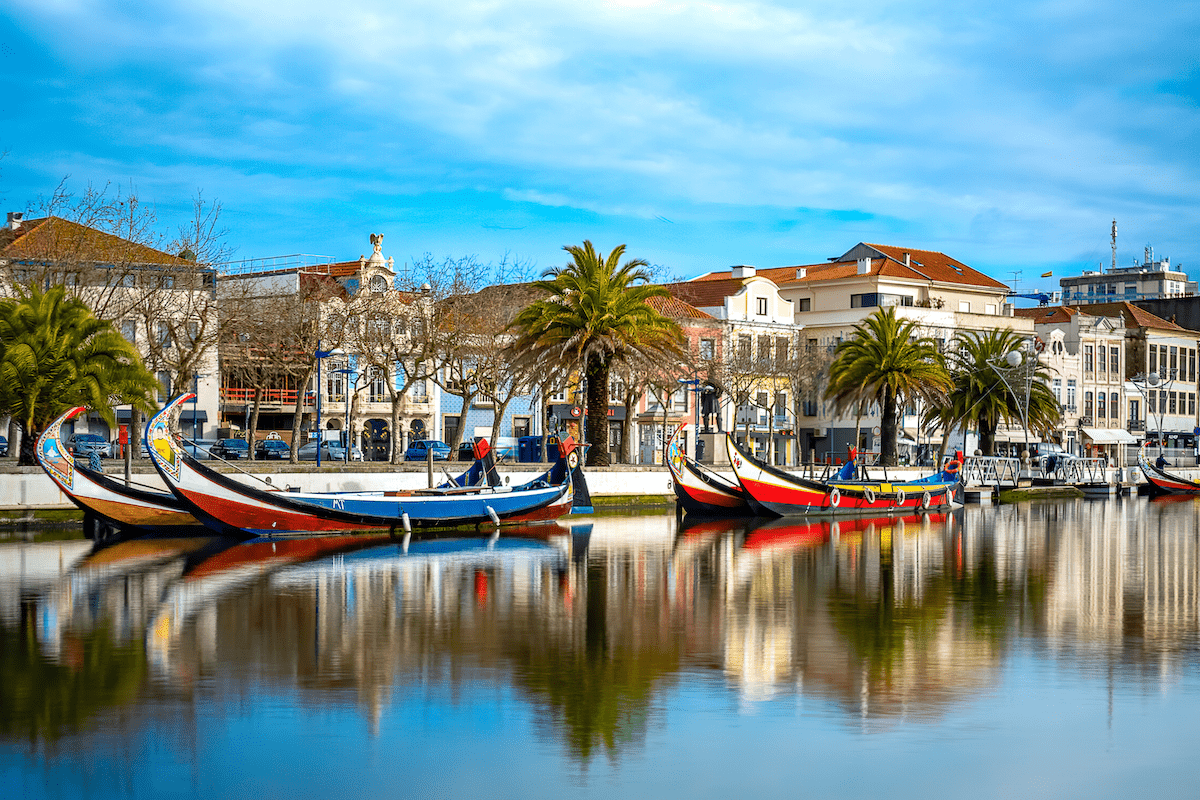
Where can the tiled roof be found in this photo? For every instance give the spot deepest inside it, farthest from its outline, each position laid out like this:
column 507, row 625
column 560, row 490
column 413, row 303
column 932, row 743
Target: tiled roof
column 924, row 265
column 1134, row 317
column 1046, row 314
column 675, row 308
column 706, row 293
column 54, row 238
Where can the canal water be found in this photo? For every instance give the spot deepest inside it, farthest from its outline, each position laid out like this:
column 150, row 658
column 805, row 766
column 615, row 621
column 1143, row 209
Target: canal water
column 1034, row 650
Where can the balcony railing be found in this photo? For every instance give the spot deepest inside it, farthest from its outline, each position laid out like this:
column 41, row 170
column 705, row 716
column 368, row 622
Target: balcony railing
column 270, row 397
column 1136, row 425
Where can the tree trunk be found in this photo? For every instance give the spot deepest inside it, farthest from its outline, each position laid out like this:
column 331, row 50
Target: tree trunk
column 597, row 416
column 462, row 424
column 397, row 454
column 887, row 431
column 252, row 434
column 28, row 453
column 301, row 390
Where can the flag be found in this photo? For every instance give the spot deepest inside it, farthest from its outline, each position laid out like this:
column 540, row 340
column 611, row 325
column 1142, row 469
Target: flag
column 1047, row 274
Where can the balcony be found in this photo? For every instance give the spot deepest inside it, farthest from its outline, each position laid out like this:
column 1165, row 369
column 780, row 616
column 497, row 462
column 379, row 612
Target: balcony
column 272, row 399
column 1136, row 425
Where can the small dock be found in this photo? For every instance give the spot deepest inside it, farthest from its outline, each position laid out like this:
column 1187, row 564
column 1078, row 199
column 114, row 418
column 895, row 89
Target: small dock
column 984, row 477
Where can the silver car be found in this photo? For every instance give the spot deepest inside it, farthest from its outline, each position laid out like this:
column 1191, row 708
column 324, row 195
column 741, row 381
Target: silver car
column 330, row 451
column 83, row 444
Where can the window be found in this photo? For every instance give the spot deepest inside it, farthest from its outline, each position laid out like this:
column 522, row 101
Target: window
column 1058, row 390
column 1162, row 361
column 450, row 427
column 558, row 396
column 781, row 406
column 1103, row 360
column 616, row 391
column 873, row 299
column 522, row 426
column 378, row 284
column 679, row 399
column 708, row 349
column 762, row 306
column 804, row 304
column 809, row 408
column 129, row 330
column 764, row 349
column 126, row 281
column 376, row 389
column 1153, row 358
column 989, row 308
column 781, row 351
column 1114, row 406
column 335, row 386
column 1174, row 359
column 1191, row 403
column 1089, row 358
column 193, row 331
column 1071, row 394
column 1101, row 406
column 166, row 281
column 164, row 386
column 419, row 390
column 744, row 345
column 164, row 336
column 1151, row 402
column 1191, row 365
column 1087, row 404
column 1134, row 410
column 1171, row 397
column 1114, row 361
column 964, row 306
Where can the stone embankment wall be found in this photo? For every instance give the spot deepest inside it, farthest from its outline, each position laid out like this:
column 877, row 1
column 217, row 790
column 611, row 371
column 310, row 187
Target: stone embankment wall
column 29, row 487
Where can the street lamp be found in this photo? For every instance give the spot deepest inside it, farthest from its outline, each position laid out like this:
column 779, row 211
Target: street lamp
column 320, row 355
column 348, row 373
column 1019, row 365
column 1149, row 383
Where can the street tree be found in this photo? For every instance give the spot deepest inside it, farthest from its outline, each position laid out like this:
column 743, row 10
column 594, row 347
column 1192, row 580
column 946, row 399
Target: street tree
column 886, row 361
column 593, row 313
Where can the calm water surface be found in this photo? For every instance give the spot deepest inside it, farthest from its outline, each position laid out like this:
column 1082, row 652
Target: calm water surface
column 1032, row 650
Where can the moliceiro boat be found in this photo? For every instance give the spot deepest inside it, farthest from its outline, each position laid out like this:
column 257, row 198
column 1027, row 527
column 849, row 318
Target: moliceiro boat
column 698, row 489
column 1163, row 482
column 771, row 491
column 230, row 505
column 109, row 506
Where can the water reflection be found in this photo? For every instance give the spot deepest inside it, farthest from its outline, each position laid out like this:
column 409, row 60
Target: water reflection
column 881, row 620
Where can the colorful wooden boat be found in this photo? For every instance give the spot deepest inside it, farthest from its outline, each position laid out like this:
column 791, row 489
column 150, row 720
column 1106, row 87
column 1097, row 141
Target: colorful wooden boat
column 227, row 504
column 110, row 507
column 771, row 491
column 699, row 490
column 1163, row 482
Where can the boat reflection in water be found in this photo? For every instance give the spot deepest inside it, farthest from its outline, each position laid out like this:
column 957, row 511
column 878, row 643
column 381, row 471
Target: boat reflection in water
column 587, row 637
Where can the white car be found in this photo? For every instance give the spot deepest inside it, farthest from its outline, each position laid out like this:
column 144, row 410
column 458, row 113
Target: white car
column 330, row 451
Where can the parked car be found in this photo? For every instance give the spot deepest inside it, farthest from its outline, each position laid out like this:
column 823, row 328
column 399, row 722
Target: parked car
column 81, row 444
column 272, row 449
column 230, row 449
column 330, row 451
column 466, row 452
column 420, row 449
column 1047, row 454
column 200, row 448
column 505, row 452
column 3, row 446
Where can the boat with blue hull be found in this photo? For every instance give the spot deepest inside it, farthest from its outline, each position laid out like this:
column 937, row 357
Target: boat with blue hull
column 228, row 504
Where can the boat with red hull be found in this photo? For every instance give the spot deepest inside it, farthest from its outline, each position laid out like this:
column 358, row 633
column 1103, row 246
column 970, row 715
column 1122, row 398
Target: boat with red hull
column 700, row 490
column 110, row 507
column 771, row 491
column 1163, row 482
column 229, row 505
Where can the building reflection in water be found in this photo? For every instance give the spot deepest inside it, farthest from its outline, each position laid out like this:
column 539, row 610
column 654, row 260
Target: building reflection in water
column 880, row 619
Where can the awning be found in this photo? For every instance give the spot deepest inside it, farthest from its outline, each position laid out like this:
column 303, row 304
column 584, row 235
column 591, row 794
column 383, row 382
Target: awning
column 1016, row 437
column 1109, row 436
column 185, row 416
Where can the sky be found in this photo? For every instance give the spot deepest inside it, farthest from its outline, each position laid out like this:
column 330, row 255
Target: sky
column 700, row 135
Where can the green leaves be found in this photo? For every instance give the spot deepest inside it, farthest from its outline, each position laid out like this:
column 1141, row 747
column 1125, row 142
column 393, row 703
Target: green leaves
column 55, row 354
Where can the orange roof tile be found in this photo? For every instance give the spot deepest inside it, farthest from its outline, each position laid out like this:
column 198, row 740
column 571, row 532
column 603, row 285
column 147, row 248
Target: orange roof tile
column 705, row 294
column 57, row 239
column 1135, row 317
column 671, row 306
column 1046, row 314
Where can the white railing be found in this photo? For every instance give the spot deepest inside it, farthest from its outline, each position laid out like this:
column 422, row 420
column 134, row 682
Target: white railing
column 1081, row 470
column 991, row 471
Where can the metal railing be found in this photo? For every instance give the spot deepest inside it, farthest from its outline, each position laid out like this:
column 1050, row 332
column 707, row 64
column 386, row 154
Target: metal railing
column 270, row 397
column 991, row 471
column 1080, row 470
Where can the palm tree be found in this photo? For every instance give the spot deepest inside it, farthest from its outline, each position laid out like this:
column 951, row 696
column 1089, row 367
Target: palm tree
column 55, row 354
column 595, row 313
column 887, row 362
column 982, row 398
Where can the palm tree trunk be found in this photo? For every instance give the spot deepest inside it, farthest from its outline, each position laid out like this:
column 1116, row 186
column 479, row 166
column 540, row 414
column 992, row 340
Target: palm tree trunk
column 887, row 432
column 597, row 406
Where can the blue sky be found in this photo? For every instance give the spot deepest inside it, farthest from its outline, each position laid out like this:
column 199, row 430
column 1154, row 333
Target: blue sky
column 701, row 135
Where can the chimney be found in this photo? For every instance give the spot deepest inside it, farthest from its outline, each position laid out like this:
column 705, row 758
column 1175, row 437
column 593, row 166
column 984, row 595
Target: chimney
column 801, row 272
column 908, row 259
column 14, row 219
column 864, row 266
column 743, row 271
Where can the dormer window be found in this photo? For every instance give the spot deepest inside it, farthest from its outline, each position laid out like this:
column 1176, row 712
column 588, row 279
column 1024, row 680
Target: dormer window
column 762, row 306
column 378, row 284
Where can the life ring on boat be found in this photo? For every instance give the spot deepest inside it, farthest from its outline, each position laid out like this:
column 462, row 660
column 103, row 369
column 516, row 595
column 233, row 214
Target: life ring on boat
column 925, row 501
column 951, row 468
column 835, row 497
column 901, row 497
column 869, row 494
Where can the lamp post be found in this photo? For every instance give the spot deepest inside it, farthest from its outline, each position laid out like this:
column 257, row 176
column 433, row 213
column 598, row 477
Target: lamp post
column 348, row 372
column 1149, row 383
column 1019, row 365
column 320, row 355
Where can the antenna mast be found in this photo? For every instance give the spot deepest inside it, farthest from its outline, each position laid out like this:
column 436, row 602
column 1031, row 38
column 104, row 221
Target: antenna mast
column 1114, row 245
